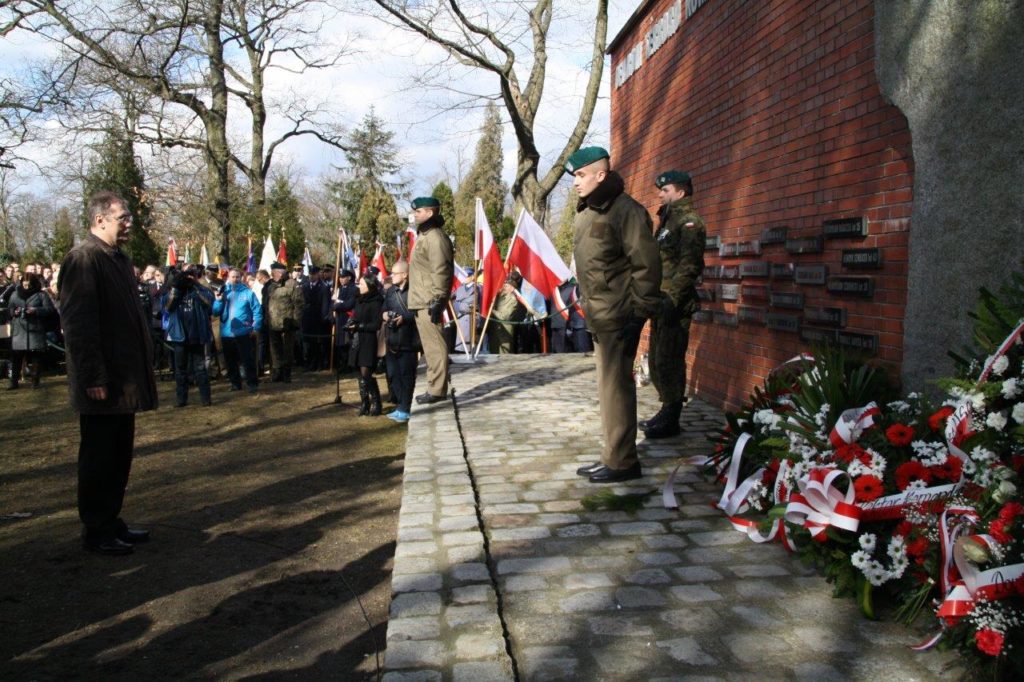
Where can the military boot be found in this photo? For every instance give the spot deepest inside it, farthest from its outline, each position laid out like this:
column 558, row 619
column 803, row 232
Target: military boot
column 364, row 397
column 655, row 420
column 374, row 391
column 669, row 424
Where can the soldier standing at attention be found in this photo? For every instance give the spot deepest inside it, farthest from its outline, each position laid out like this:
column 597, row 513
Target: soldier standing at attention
column 680, row 237
column 430, row 283
column 619, row 276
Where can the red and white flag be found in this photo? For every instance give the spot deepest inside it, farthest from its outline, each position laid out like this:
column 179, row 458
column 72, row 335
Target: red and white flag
column 535, row 256
column 459, row 277
column 486, row 253
column 282, row 257
column 172, row 253
column 378, row 262
column 410, row 235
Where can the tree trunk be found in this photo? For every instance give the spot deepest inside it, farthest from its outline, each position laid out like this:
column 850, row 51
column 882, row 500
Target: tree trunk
column 217, row 150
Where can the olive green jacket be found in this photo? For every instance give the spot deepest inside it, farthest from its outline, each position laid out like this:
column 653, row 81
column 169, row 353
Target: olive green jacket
column 681, row 237
column 284, row 307
column 617, row 261
column 432, row 265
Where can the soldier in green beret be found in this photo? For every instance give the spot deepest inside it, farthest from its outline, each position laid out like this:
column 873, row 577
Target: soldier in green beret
column 680, row 236
column 619, row 277
column 431, row 268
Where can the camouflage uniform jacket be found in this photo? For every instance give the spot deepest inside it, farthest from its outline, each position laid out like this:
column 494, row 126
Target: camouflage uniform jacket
column 681, row 238
column 616, row 257
column 285, row 305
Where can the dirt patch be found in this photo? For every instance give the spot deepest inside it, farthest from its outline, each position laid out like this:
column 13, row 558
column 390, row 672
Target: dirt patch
column 273, row 520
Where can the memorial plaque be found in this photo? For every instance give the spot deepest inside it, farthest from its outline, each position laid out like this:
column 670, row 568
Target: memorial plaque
column 826, row 317
column 787, row 299
column 712, row 272
column 755, row 268
column 712, row 243
column 754, row 291
column 867, row 343
column 749, row 248
column 818, row 337
column 726, row 319
column 782, row 271
column 702, row 316
column 751, row 314
column 862, row 258
column 805, row 245
column 774, row 235
column 729, row 272
column 845, row 228
column 863, row 287
column 727, row 250
column 706, row 293
column 783, row 323
column 810, row 274
column 728, row 292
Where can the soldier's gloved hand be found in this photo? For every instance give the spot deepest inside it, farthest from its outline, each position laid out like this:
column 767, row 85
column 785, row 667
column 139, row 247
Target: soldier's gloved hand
column 434, row 310
column 630, row 335
column 669, row 312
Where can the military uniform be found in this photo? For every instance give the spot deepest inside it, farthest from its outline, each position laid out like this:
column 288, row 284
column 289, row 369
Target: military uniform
column 430, row 284
column 284, row 309
column 619, row 278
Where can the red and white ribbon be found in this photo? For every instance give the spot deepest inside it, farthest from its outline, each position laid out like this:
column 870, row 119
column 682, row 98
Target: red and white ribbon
column 851, row 423
column 1001, row 351
column 778, row 528
column 954, row 522
column 893, row 507
column 668, row 493
column 995, row 583
column 957, row 429
column 820, row 504
column 734, row 496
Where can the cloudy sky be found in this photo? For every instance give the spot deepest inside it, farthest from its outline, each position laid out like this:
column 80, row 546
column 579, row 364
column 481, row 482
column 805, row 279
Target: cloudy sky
column 381, row 74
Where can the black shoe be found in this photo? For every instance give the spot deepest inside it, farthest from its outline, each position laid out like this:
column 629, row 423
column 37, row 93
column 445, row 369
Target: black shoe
column 108, row 546
column 133, row 536
column 590, row 469
column 663, row 430
column 428, row 398
column 606, row 475
column 658, row 417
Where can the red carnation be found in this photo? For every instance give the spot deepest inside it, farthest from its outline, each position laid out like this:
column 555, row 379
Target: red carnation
column 1010, row 511
column 951, row 470
column 899, row 435
column 917, row 547
column 865, row 458
column 989, row 641
column 908, row 472
column 847, row 452
column 997, row 529
column 938, row 420
column 867, row 488
column 903, row 528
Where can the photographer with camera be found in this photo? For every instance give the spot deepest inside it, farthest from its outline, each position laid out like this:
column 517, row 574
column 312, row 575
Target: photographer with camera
column 30, row 309
column 188, row 305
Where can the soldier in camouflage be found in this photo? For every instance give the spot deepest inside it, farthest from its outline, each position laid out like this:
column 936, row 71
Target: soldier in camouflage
column 680, row 236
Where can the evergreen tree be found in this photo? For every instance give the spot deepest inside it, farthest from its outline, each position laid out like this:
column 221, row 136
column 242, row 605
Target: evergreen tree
column 283, row 211
column 373, row 163
column 378, row 221
column 464, row 240
column 115, row 168
column 483, row 180
column 63, row 238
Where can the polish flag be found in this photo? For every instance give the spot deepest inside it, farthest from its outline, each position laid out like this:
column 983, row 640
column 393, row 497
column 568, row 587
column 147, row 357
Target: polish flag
column 486, row 253
column 378, row 262
column 172, row 253
column 536, row 258
column 459, row 277
column 282, row 257
column 363, row 264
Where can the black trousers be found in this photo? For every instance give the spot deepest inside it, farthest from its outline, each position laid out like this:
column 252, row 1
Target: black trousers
column 104, row 462
column 240, row 352
column 402, row 370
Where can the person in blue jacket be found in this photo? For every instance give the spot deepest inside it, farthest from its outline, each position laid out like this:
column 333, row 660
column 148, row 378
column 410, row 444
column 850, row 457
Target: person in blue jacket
column 241, row 319
column 187, row 307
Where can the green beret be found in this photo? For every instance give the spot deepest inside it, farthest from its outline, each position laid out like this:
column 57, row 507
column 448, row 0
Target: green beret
column 585, row 157
column 425, row 202
column 672, row 177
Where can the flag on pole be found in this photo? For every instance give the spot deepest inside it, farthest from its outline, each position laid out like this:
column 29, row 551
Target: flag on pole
column 410, row 234
column 188, row 256
column 486, row 252
column 267, row 257
column 459, row 277
column 536, row 258
column 307, row 261
column 378, row 262
column 282, row 257
column 349, row 261
column 250, row 260
column 362, row 263
column 204, row 256
column 172, row 253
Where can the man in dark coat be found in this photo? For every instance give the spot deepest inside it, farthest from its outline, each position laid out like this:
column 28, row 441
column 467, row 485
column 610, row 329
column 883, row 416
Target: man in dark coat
column 402, row 339
column 110, row 370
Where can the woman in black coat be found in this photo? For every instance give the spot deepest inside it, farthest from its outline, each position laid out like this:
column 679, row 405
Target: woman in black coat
column 31, row 310
column 364, row 325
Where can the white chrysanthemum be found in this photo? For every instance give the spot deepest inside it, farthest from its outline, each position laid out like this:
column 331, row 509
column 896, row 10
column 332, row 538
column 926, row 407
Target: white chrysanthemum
column 996, row 420
column 868, row 541
column 1018, row 413
column 1000, row 365
column 877, row 464
column 859, row 559
column 917, row 484
column 898, row 406
column 1010, row 389
column 981, row 455
column 969, row 467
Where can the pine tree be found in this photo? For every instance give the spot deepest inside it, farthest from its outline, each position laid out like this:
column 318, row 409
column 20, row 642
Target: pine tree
column 378, row 221
column 115, row 168
column 283, row 211
column 373, row 163
column 464, row 241
column 483, row 180
column 63, row 238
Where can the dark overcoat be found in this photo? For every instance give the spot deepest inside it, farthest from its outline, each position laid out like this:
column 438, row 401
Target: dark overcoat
column 106, row 332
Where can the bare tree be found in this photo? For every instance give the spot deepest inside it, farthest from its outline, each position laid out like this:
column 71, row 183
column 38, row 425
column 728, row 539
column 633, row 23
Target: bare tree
column 492, row 37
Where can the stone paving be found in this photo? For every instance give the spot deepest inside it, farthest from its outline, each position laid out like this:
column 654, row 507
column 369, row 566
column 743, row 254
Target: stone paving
column 500, row 574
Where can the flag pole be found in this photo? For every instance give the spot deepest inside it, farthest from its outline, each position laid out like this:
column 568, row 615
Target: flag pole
column 334, row 326
column 458, row 329
column 508, row 255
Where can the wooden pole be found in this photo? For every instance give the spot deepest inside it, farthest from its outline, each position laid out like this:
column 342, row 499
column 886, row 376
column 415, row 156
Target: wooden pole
column 334, row 285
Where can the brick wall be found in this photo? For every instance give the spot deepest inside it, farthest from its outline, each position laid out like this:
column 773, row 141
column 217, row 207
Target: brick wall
column 774, row 108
